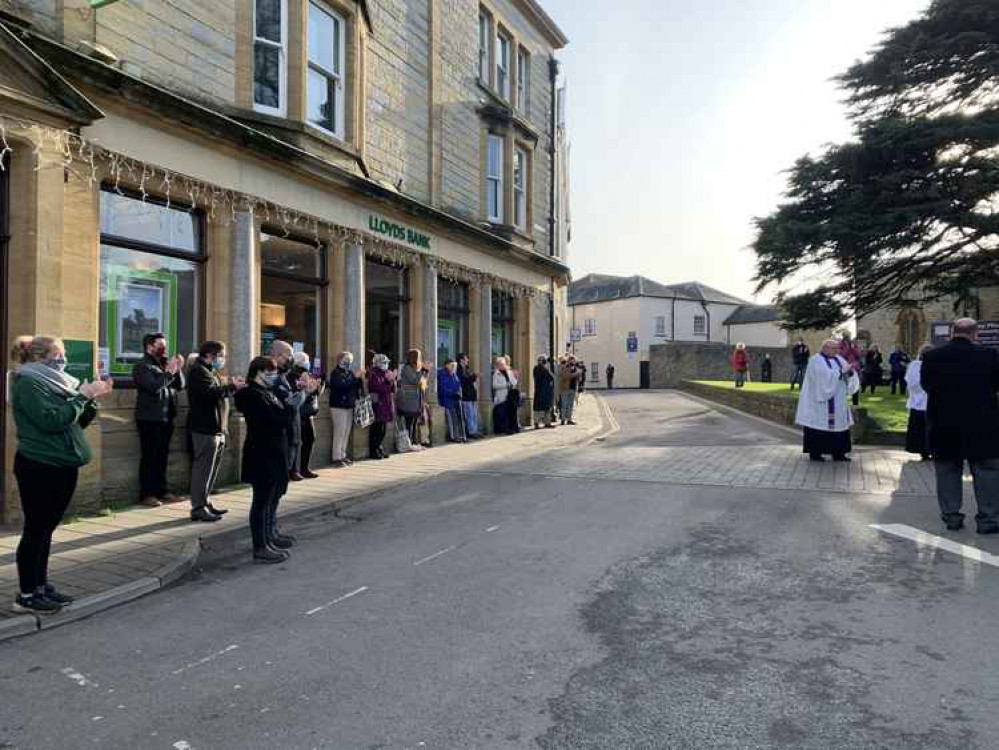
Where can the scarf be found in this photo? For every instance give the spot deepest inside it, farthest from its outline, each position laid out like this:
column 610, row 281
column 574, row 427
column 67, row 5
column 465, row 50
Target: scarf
column 832, row 401
column 59, row 383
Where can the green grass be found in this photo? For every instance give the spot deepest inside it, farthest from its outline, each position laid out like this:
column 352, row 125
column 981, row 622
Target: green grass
column 887, row 410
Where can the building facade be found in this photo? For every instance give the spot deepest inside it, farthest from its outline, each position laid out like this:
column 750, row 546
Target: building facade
column 616, row 319
column 341, row 174
column 756, row 325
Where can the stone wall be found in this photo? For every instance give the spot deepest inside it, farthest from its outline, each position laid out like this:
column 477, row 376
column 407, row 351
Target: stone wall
column 672, row 363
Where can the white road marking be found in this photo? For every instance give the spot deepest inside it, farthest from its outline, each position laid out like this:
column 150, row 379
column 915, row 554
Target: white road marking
column 433, row 556
column 355, row 592
column 210, row 657
column 79, row 678
column 182, row 745
column 491, row 529
column 926, row 539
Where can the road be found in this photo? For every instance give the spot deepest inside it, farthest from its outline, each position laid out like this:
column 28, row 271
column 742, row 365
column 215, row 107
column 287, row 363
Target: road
column 547, row 604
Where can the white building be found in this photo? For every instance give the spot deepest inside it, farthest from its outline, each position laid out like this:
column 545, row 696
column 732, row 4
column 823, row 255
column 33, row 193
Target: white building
column 756, row 325
column 619, row 318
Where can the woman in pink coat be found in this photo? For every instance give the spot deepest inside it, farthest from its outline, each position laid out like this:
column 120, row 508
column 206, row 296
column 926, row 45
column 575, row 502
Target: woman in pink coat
column 381, row 387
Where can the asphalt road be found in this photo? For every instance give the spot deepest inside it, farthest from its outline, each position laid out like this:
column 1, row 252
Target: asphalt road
column 506, row 609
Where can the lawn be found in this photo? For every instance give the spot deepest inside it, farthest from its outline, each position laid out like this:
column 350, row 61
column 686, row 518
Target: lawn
column 887, row 410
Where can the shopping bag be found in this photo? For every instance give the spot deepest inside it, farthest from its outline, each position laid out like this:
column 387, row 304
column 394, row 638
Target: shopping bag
column 364, row 413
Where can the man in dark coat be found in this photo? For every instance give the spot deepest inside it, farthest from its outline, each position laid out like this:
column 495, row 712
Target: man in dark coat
column 544, row 394
column 158, row 380
column 961, row 380
column 800, row 355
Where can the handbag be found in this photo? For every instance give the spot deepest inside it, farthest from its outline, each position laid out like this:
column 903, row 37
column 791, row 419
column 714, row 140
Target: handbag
column 402, row 442
column 364, row 413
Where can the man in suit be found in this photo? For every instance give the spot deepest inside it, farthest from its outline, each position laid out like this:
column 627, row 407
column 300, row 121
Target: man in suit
column 961, row 380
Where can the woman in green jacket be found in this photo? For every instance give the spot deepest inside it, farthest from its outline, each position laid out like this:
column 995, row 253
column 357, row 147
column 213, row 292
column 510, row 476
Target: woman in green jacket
column 51, row 411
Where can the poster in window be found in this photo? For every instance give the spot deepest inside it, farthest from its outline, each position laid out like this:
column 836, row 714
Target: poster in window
column 139, row 303
column 447, row 334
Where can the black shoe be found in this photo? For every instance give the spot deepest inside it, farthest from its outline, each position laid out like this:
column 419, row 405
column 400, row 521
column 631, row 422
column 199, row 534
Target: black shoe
column 268, row 556
column 35, row 604
column 842, row 458
column 204, row 515
column 985, row 529
column 50, row 593
column 348, row 462
column 954, row 525
column 280, row 543
column 816, row 457
column 217, row 511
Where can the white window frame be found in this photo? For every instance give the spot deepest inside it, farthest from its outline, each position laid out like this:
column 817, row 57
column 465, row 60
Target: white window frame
column 700, row 325
column 494, row 180
column 660, row 325
column 282, row 109
column 523, row 77
column 485, row 37
column 590, row 327
column 339, row 87
column 594, row 372
column 503, row 45
column 520, row 213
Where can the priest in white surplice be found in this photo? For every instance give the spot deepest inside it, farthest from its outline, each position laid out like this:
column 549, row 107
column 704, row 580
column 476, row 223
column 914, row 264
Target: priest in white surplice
column 824, row 404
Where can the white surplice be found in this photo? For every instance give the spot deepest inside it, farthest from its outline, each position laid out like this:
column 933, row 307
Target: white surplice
column 824, row 383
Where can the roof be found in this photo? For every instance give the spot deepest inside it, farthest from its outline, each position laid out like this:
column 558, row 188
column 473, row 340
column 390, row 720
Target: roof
column 545, row 23
column 746, row 314
column 598, row 287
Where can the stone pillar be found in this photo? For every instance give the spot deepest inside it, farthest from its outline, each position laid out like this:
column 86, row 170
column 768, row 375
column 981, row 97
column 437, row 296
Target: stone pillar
column 428, row 272
column 485, row 354
column 353, row 297
column 244, row 325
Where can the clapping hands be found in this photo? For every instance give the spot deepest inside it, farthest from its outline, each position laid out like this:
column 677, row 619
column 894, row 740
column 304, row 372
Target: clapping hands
column 308, row 383
column 239, row 383
column 97, row 389
column 175, row 364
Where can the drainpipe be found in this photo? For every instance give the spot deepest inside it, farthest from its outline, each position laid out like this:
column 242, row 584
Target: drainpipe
column 707, row 319
column 552, row 219
column 672, row 336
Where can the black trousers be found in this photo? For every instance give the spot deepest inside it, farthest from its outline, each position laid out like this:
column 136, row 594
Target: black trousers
column 267, row 491
column 308, row 441
column 154, row 442
column 899, row 379
column 376, row 436
column 45, row 494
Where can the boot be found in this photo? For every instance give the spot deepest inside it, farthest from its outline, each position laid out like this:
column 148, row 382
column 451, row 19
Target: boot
column 268, row 556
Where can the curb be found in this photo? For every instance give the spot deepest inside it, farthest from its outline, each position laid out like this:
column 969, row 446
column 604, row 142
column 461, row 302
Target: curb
column 177, row 569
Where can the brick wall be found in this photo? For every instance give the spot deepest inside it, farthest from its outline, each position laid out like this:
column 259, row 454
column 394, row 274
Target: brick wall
column 673, row 363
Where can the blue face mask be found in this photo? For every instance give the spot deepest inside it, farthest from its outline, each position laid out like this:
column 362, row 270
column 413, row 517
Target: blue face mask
column 218, row 364
column 56, row 363
column 270, row 379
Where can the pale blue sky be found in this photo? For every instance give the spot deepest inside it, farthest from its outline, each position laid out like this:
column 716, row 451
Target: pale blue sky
column 683, row 114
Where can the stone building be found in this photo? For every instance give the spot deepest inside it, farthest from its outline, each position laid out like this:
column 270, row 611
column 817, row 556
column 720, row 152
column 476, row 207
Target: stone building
column 343, row 174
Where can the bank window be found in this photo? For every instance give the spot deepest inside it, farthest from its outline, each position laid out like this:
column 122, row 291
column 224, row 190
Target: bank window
column 326, row 65
column 452, row 320
column 151, row 276
column 386, row 299
column 700, row 325
column 503, row 65
column 660, row 325
column 292, row 278
column 521, row 160
column 485, row 35
column 590, row 327
column 494, row 178
column 502, row 333
column 523, row 78
column 270, row 67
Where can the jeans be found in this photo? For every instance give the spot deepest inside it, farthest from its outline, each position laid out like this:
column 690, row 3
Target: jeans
column 470, row 411
column 263, row 509
column 454, row 422
column 984, row 473
column 343, row 420
column 45, row 494
column 740, row 379
column 567, row 404
column 208, row 453
column 154, row 443
column 798, row 376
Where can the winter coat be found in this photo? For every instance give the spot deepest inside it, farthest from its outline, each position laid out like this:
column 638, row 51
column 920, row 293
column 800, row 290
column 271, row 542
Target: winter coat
column 568, row 377
column 448, row 388
column 800, row 355
column 469, row 389
column 156, row 397
column 544, row 388
column 504, row 384
column 898, row 362
column 740, row 360
column 50, row 425
column 961, row 380
column 382, row 392
column 873, row 367
column 208, row 399
column 412, row 391
column 345, row 388
column 266, row 450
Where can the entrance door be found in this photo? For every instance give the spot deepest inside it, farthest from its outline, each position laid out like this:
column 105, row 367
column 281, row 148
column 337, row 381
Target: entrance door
column 4, row 338
column 644, row 376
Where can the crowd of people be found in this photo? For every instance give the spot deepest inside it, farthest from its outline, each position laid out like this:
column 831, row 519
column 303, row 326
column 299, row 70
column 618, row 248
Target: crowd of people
column 280, row 398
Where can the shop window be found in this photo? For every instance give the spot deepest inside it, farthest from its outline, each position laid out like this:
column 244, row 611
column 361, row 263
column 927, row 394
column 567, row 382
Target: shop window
column 452, row 320
column 386, row 291
column 326, row 66
column 503, row 318
column 151, row 276
column 292, row 277
column 270, row 67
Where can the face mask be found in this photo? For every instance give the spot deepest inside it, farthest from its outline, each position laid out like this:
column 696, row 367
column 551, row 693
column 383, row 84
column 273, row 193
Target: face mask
column 383, row 366
column 160, row 352
column 56, row 363
column 270, row 379
column 218, row 364
column 346, row 364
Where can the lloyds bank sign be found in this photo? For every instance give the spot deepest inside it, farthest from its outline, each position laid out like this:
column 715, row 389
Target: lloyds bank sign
column 399, row 232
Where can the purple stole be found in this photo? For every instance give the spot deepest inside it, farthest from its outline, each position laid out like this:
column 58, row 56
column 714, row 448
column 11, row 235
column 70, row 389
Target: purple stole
column 832, row 401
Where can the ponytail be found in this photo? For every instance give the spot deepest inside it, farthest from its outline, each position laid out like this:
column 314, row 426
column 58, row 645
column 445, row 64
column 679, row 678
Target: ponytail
column 32, row 348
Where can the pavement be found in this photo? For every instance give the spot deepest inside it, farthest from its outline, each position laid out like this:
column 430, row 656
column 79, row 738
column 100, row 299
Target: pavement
column 106, row 560
column 576, row 598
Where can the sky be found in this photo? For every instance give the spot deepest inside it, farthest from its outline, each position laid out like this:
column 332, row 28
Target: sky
column 683, row 115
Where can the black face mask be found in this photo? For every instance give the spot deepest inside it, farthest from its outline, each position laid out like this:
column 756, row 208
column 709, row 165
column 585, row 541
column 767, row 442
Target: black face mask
column 286, row 367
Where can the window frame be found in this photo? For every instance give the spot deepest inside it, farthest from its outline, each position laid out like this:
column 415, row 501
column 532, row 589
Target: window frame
column 522, row 192
column 485, row 46
column 660, row 330
column 402, row 298
column 336, row 84
column 523, row 78
column 503, row 315
column 590, row 327
column 282, row 109
column 594, row 372
column 701, row 322
column 502, row 83
column 497, row 180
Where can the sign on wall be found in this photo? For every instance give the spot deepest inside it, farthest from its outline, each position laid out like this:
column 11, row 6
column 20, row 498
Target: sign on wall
column 575, row 336
column 398, row 232
column 988, row 333
column 632, row 343
column 95, row 4
column 80, row 359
